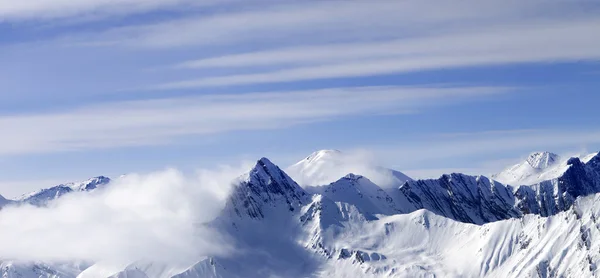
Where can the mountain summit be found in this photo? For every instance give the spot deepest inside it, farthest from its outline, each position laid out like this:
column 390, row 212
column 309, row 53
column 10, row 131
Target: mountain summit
column 537, row 167
column 264, row 187
column 542, row 160
column 326, row 166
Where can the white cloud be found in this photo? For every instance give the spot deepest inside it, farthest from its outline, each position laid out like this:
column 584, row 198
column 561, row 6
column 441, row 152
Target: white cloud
column 160, row 121
column 535, row 42
column 307, row 22
column 152, row 217
column 53, row 9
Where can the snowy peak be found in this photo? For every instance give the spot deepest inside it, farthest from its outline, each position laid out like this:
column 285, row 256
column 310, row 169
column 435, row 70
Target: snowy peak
column 265, row 186
column 43, row 196
column 89, row 184
column 323, row 155
column 542, row 160
column 359, row 191
column 326, row 166
column 538, row 167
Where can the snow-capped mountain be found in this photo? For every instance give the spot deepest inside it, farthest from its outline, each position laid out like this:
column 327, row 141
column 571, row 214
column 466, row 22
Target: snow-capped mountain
column 265, row 189
column 326, row 166
column 368, row 197
column 538, row 167
column 454, row 226
column 43, row 196
column 480, row 200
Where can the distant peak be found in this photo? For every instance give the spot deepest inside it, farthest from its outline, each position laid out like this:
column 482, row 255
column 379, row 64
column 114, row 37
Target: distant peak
column 353, row 177
column 264, row 161
column 323, row 154
column 542, row 160
column 89, row 184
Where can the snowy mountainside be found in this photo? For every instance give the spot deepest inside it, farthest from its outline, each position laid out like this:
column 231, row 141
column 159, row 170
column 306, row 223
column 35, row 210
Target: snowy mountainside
column 358, row 190
column 265, row 187
column 454, row 226
column 480, row 200
column 43, row 196
column 326, row 166
column 422, row 244
column 537, row 167
column 460, row 197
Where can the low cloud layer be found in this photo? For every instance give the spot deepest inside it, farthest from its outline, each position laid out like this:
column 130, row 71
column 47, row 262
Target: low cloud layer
column 154, row 216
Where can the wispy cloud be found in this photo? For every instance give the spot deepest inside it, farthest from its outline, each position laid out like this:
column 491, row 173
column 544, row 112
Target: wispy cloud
column 293, row 22
column 539, row 42
column 523, row 42
column 160, row 121
column 46, row 9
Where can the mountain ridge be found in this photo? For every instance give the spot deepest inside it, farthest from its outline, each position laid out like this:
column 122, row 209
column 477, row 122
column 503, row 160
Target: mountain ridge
column 353, row 227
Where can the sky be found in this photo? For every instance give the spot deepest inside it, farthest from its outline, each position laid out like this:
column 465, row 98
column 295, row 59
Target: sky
column 103, row 87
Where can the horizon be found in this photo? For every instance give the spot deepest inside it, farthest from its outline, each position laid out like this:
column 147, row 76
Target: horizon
column 368, row 162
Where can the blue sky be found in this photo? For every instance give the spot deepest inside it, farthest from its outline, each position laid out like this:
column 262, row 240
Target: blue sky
column 109, row 87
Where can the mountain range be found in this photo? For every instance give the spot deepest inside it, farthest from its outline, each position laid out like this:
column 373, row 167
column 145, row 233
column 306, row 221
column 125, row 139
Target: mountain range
column 537, row 218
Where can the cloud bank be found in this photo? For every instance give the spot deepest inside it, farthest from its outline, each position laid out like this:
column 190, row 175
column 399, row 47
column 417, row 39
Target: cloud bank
column 154, row 217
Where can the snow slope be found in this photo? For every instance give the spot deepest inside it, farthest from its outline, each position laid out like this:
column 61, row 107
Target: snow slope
column 326, row 166
column 422, row 244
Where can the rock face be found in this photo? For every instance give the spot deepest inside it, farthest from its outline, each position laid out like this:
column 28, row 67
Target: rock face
column 264, row 189
column 480, row 200
column 461, row 197
column 553, row 196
